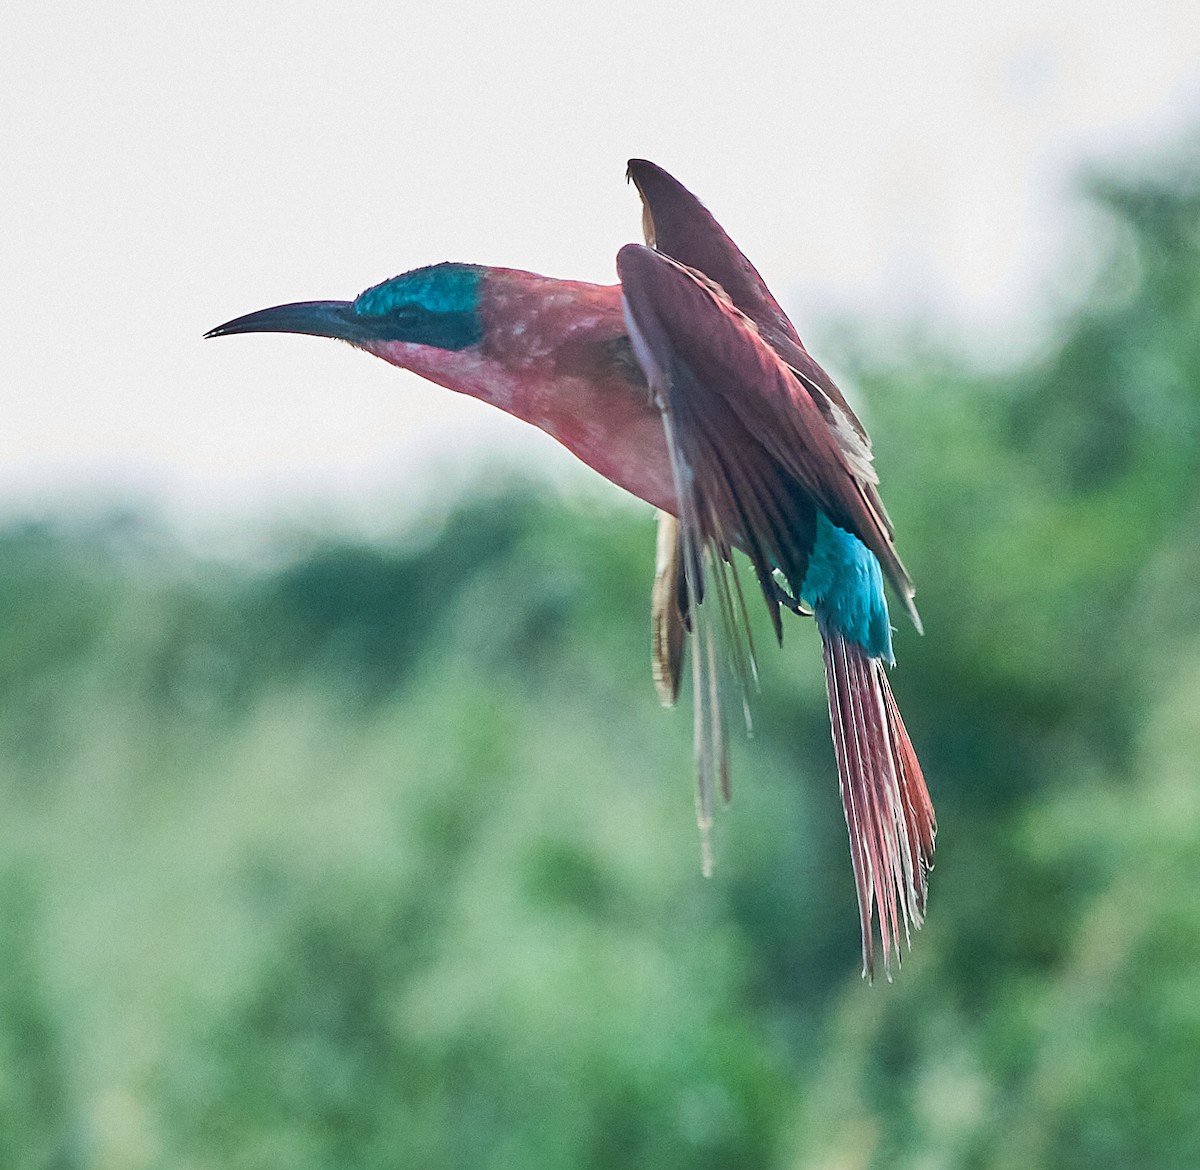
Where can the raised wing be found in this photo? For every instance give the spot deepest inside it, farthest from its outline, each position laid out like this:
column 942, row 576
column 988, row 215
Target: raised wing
column 680, row 226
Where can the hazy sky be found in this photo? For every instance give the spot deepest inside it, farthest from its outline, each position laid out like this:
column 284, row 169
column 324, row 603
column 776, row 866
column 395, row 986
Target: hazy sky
column 166, row 167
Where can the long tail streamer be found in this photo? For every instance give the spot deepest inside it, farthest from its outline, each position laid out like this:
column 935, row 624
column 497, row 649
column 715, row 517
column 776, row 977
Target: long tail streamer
column 889, row 815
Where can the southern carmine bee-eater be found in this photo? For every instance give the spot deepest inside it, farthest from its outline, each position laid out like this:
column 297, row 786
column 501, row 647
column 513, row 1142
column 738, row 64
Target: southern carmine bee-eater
column 687, row 385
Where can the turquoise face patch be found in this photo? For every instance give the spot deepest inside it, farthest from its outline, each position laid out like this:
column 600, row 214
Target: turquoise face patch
column 845, row 582
column 436, row 306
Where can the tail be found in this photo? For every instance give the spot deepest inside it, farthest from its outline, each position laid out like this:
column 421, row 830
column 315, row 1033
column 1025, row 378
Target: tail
column 889, row 815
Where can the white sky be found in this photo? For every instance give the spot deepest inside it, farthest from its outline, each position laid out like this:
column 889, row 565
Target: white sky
column 166, row 167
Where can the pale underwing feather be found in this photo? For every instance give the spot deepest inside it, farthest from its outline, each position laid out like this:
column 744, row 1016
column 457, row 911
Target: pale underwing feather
column 668, row 625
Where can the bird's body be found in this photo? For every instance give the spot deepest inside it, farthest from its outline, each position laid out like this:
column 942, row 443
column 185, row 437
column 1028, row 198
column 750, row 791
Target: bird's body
column 687, row 385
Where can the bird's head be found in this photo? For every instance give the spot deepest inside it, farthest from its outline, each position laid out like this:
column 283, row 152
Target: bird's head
column 437, row 306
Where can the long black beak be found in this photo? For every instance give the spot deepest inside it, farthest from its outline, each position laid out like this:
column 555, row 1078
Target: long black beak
column 315, row 318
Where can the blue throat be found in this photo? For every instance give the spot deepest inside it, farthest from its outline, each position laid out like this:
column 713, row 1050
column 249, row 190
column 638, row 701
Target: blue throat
column 436, row 306
column 844, row 586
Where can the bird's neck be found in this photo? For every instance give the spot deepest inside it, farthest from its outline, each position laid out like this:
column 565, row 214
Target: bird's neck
column 556, row 353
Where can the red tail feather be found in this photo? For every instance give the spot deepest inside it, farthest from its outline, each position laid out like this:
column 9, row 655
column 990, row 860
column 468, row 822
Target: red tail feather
column 889, row 815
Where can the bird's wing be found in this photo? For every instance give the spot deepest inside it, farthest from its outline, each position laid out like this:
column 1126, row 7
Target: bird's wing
column 754, row 449
column 753, row 459
column 677, row 224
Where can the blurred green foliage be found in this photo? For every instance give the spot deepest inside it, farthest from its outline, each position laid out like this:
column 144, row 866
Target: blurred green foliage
column 384, row 857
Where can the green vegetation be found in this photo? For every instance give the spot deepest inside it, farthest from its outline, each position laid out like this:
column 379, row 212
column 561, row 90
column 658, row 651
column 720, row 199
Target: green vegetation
column 385, row 858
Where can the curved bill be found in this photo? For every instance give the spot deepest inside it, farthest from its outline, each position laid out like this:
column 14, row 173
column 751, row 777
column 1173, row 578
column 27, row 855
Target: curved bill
column 315, row 318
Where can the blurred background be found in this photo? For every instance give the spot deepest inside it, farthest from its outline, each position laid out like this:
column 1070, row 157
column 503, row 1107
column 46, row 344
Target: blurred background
column 339, row 826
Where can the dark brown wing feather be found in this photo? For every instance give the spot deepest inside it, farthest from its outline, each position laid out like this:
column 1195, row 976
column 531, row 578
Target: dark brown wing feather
column 680, row 226
column 759, row 439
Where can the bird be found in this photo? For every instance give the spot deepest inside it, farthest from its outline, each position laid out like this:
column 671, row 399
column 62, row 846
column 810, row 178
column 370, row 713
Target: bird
column 687, row 385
